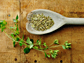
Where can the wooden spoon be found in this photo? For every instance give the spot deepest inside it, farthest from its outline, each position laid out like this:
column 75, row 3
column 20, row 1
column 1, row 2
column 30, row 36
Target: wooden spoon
column 58, row 19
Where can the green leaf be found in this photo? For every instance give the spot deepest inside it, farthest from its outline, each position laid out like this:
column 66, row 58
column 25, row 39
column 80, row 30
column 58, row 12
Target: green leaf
column 32, row 40
column 28, row 40
column 35, row 47
column 44, row 44
column 53, row 55
column 55, row 51
column 14, row 20
column 20, row 44
column 13, row 43
column 1, row 21
column 48, row 55
column 63, row 47
column 17, row 17
column 17, row 39
column 67, row 44
column 38, row 42
column 16, row 32
column 68, row 47
column 30, row 43
column 4, row 22
column 45, row 54
column 12, row 35
column 51, row 51
column 31, row 46
column 26, row 50
column 56, row 42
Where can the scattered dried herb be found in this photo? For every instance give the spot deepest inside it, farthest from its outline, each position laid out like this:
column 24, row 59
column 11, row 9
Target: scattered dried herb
column 40, row 22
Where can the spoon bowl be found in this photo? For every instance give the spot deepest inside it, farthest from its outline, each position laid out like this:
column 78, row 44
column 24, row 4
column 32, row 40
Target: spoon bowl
column 58, row 19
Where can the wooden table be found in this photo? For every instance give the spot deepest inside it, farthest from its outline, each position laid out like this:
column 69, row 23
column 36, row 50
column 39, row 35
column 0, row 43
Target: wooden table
column 72, row 33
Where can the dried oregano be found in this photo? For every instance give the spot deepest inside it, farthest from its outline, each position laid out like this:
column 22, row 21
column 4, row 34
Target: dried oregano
column 40, row 22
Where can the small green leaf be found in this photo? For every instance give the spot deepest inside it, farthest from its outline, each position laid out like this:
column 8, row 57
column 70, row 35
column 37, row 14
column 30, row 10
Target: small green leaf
column 13, row 43
column 63, row 47
column 1, row 21
column 32, row 40
column 45, row 54
column 14, row 20
column 67, row 44
column 51, row 51
column 48, row 55
column 17, row 39
column 56, row 42
column 20, row 44
column 17, row 17
column 4, row 22
column 16, row 32
column 26, row 50
column 53, row 55
column 55, row 51
column 44, row 44
column 28, row 40
column 12, row 35
column 31, row 46
column 38, row 42
column 35, row 47
column 68, row 47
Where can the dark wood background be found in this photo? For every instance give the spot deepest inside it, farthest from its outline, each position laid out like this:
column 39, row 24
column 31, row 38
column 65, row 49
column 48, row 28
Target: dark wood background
column 72, row 33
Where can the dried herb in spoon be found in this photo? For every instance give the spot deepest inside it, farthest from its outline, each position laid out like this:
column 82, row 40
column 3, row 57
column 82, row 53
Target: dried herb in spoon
column 41, row 22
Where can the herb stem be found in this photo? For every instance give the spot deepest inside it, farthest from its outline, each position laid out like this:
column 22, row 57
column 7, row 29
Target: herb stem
column 8, row 36
column 55, row 46
column 17, row 35
column 14, row 40
column 51, row 44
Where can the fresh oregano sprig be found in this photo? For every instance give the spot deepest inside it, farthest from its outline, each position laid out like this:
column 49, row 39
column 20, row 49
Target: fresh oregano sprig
column 29, row 43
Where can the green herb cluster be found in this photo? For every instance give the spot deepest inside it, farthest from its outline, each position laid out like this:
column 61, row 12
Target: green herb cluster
column 29, row 43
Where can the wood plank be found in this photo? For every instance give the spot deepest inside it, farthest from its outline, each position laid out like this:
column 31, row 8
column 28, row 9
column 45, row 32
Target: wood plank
column 9, row 9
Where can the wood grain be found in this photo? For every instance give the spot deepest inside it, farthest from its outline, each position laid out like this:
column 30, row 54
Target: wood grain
column 72, row 33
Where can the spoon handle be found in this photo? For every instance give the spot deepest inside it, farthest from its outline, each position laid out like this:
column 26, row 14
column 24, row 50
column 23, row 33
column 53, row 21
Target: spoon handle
column 78, row 21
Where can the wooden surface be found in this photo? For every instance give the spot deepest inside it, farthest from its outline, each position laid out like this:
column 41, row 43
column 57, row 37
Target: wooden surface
column 72, row 33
